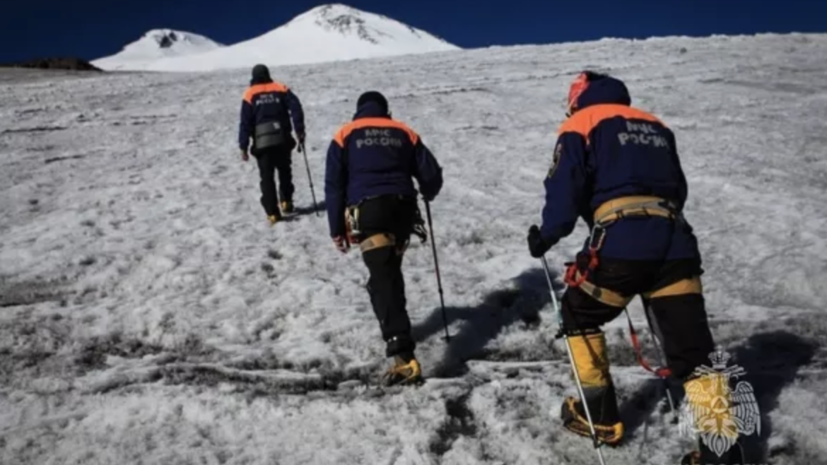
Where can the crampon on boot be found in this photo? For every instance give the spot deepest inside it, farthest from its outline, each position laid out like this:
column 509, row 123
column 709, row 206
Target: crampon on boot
column 273, row 219
column 589, row 353
column 287, row 206
column 574, row 420
column 405, row 371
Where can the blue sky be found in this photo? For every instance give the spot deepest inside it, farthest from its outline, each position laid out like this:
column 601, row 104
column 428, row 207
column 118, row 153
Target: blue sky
column 94, row 28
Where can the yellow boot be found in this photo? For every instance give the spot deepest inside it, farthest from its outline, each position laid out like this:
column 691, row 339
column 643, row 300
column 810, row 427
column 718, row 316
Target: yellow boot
column 590, row 356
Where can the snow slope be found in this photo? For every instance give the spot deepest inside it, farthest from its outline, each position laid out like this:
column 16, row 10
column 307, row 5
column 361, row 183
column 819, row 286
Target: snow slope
column 154, row 45
column 148, row 314
column 326, row 33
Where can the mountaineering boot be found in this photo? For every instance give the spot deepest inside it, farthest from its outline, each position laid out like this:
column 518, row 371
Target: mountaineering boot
column 607, row 422
column 706, row 457
column 273, row 219
column 589, row 352
column 710, row 404
column 287, row 206
column 692, row 458
column 406, row 370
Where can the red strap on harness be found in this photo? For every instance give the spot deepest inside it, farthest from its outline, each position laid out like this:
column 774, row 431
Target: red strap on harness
column 660, row 372
column 571, row 279
column 595, row 243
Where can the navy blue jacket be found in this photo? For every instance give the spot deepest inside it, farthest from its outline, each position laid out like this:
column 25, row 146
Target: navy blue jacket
column 265, row 102
column 375, row 155
column 609, row 149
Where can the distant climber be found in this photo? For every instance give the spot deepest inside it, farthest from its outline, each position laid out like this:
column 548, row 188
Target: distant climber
column 266, row 112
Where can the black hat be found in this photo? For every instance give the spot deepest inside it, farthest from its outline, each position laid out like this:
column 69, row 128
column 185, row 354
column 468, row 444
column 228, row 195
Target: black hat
column 260, row 74
column 375, row 97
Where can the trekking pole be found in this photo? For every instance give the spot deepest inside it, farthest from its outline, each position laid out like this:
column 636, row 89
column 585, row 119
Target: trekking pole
column 663, row 372
column 655, row 333
column 436, row 267
column 309, row 178
column 571, row 360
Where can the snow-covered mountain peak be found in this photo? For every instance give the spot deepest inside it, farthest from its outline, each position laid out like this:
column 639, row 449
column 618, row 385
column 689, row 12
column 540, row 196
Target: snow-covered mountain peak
column 349, row 21
column 332, row 32
column 331, row 15
column 170, row 38
column 155, row 45
column 331, row 10
column 158, row 43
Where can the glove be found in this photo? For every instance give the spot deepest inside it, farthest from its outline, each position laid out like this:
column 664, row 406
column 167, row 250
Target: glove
column 536, row 245
column 301, row 137
column 419, row 226
column 244, row 155
column 341, row 243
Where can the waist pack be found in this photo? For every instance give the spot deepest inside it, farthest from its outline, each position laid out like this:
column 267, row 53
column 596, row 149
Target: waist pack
column 270, row 134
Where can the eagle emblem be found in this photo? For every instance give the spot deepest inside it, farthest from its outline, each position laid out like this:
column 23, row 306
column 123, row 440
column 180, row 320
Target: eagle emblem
column 558, row 151
column 715, row 411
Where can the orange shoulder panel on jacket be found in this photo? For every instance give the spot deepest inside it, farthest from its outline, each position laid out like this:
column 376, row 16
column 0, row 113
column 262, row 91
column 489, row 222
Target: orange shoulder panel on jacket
column 585, row 120
column 348, row 128
column 252, row 91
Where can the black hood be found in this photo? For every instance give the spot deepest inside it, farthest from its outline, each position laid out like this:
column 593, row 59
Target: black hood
column 603, row 89
column 373, row 97
column 261, row 75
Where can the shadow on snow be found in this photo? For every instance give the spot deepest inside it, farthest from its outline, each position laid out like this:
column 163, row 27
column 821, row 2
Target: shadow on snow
column 771, row 358
column 482, row 323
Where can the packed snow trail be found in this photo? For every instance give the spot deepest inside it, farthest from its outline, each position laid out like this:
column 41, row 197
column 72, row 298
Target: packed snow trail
column 148, row 312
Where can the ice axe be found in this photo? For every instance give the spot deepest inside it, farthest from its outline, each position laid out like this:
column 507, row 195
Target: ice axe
column 565, row 337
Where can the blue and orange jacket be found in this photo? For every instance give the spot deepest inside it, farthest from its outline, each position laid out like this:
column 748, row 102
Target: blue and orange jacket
column 607, row 150
column 268, row 101
column 375, row 155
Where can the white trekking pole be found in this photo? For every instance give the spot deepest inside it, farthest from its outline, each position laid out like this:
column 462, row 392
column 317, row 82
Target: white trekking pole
column 563, row 334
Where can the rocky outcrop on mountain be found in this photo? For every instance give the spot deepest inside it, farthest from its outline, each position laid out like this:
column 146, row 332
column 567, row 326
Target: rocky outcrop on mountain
column 65, row 63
